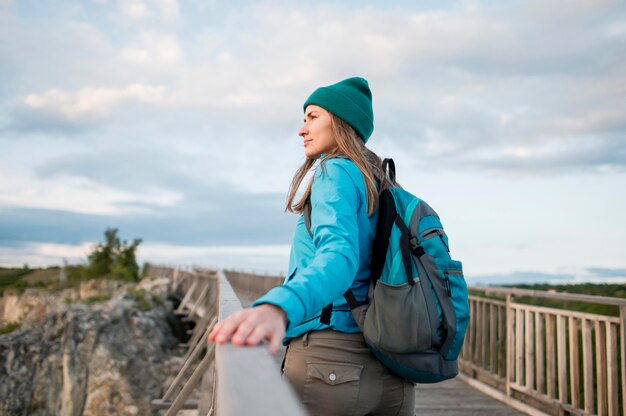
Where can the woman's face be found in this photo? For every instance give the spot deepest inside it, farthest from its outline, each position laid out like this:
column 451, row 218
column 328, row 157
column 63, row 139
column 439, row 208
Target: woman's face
column 317, row 132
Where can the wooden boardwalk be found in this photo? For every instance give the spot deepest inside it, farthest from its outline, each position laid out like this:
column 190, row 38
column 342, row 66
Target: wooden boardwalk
column 456, row 398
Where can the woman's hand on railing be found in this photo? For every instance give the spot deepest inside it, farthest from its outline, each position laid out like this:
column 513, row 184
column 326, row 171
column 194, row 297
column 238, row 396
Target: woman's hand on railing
column 251, row 326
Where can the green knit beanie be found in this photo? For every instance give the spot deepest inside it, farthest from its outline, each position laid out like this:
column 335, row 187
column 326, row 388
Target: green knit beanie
column 351, row 101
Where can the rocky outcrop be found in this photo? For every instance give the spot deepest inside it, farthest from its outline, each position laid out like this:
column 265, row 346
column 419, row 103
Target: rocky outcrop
column 108, row 358
column 29, row 307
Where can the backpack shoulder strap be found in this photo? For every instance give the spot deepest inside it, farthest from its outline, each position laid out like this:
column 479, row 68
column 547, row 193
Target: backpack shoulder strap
column 386, row 217
column 389, row 167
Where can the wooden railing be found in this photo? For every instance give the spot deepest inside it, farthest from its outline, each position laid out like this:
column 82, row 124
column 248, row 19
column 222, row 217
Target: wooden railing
column 229, row 380
column 199, row 293
column 555, row 360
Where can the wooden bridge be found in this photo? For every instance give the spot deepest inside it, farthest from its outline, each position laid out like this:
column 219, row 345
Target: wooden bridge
column 517, row 358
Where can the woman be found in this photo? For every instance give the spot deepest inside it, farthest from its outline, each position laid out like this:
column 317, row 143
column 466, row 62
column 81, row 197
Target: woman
column 327, row 360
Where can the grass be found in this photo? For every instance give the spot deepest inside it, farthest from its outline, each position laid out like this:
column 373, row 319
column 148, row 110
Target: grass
column 42, row 276
column 158, row 300
column 10, row 328
column 142, row 300
column 103, row 297
column 18, row 279
column 11, row 278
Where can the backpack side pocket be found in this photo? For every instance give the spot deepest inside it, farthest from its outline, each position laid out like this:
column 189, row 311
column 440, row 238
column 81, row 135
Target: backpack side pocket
column 397, row 319
column 456, row 288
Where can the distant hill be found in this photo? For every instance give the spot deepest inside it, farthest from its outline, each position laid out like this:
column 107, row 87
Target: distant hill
column 21, row 278
column 596, row 289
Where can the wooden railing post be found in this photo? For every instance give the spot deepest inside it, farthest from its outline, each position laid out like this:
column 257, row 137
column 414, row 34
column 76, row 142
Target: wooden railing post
column 573, row 363
column 612, row 366
column 519, row 346
column 484, row 346
column 601, row 372
column 529, row 347
column 588, row 367
column 539, row 352
column 493, row 346
column 550, row 356
column 561, row 347
column 502, row 340
column 472, row 331
column 622, row 325
column 510, row 337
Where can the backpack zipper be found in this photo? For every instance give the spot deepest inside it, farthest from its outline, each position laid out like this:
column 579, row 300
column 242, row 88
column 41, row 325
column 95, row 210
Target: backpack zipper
column 429, row 233
column 446, row 283
column 433, row 232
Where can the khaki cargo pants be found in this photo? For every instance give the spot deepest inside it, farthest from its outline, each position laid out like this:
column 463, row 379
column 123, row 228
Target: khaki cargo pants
column 334, row 373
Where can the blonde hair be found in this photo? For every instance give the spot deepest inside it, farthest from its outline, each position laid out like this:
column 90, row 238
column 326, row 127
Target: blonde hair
column 351, row 146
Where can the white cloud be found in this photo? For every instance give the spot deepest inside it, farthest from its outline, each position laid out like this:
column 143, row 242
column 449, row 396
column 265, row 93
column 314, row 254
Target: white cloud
column 92, row 103
column 77, row 194
column 616, row 29
column 591, row 120
column 169, row 9
column 63, row 250
column 133, row 9
column 43, row 254
column 139, row 10
column 152, row 48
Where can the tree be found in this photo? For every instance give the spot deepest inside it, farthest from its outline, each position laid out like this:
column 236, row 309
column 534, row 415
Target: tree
column 114, row 258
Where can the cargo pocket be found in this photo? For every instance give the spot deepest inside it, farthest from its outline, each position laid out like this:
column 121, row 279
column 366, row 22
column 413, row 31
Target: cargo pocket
column 397, row 319
column 332, row 388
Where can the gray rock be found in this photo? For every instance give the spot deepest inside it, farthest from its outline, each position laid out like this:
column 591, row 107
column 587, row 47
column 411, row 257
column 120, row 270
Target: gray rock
column 109, row 358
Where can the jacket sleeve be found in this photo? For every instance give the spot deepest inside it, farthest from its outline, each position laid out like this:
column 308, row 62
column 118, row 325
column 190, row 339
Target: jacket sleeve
column 334, row 200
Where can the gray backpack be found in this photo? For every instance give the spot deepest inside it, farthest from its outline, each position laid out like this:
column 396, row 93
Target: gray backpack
column 417, row 311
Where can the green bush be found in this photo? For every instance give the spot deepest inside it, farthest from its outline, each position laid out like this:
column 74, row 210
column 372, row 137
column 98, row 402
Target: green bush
column 114, row 258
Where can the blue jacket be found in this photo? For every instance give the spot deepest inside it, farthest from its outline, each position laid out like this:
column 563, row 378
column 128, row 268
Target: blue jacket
column 338, row 256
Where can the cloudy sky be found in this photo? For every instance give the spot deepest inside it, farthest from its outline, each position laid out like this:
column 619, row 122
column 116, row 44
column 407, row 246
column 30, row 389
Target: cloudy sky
column 176, row 122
